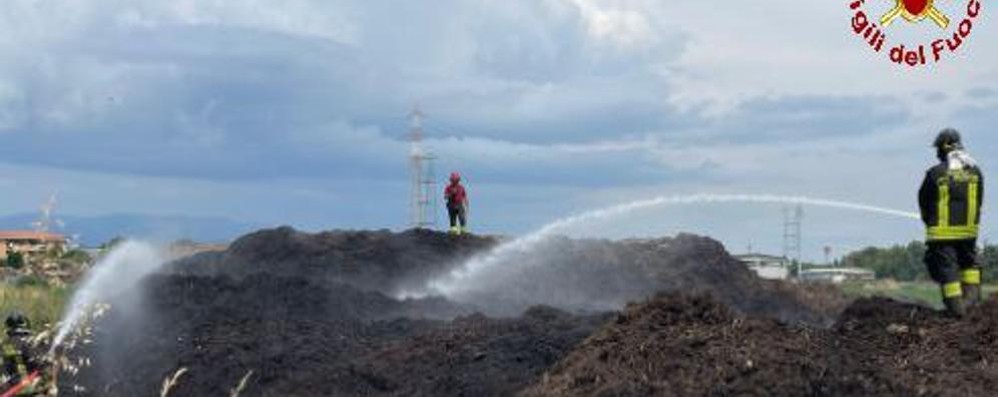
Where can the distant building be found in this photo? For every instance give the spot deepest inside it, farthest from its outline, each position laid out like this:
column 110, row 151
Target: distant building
column 30, row 243
column 766, row 266
column 838, row 274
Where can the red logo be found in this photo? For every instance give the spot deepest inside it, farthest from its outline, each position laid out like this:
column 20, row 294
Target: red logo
column 932, row 50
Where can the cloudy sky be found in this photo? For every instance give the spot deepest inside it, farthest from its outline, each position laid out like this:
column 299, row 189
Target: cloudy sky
column 294, row 112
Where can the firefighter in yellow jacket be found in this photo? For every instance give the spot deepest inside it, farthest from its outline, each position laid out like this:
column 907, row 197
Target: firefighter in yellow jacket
column 20, row 364
column 950, row 200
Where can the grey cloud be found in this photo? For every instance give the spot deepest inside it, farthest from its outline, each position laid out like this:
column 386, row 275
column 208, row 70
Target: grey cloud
column 805, row 118
column 294, row 112
column 981, row 93
column 230, row 101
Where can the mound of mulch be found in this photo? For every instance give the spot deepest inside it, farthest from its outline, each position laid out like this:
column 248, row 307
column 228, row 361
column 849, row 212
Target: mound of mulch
column 479, row 356
column 693, row 346
column 305, row 340
column 372, row 260
column 314, row 315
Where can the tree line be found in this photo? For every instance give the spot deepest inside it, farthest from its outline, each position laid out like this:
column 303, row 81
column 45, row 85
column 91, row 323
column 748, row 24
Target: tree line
column 905, row 262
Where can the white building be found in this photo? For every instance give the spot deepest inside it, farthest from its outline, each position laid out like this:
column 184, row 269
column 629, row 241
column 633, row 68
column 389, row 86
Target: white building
column 838, row 274
column 30, row 243
column 766, row 266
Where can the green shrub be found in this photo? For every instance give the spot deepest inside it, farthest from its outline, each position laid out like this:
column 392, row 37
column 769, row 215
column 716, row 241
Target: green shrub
column 31, row 281
column 899, row 262
column 15, row 260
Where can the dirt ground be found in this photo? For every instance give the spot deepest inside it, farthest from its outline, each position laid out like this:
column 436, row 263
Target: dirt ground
column 313, row 315
column 676, row 345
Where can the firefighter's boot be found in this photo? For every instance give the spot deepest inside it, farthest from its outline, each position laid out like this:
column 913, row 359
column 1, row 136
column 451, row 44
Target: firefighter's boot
column 972, row 295
column 971, row 281
column 955, row 307
column 953, row 299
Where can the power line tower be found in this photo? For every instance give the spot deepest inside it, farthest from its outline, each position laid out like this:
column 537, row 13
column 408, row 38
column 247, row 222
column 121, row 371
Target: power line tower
column 46, row 222
column 423, row 197
column 792, row 219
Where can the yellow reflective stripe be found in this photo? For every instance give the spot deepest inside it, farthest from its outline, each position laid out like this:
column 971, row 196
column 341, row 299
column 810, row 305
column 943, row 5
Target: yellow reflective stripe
column 952, row 290
column 942, row 206
column 946, row 233
column 972, row 202
column 971, row 276
column 12, row 354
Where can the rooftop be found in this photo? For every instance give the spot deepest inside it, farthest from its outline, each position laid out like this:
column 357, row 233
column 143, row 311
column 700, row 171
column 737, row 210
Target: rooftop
column 839, row 270
column 756, row 256
column 8, row 235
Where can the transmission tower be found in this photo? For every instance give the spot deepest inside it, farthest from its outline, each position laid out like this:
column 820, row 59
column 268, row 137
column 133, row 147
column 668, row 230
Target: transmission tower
column 792, row 219
column 46, row 222
column 423, row 194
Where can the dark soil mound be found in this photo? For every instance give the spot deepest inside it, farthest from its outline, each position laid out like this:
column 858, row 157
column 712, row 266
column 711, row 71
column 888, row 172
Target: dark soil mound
column 479, row 356
column 301, row 339
column 380, row 261
column 319, row 334
column 606, row 275
column 895, row 348
column 312, row 315
column 693, row 346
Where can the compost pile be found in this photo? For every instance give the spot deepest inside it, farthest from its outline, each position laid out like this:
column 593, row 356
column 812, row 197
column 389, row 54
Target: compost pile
column 295, row 313
column 693, row 345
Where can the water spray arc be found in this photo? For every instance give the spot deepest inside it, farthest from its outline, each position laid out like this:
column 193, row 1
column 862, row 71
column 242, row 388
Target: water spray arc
column 118, row 271
column 459, row 280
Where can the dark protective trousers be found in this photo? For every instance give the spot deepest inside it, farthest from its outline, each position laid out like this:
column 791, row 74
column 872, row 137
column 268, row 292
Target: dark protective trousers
column 456, row 214
column 947, row 259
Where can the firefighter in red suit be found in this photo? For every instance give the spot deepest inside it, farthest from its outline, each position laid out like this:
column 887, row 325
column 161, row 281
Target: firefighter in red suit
column 457, row 205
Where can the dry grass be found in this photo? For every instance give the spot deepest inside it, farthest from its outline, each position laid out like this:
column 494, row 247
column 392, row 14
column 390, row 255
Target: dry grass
column 926, row 292
column 65, row 358
column 41, row 303
column 44, row 306
column 242, row 385
column 170, row 382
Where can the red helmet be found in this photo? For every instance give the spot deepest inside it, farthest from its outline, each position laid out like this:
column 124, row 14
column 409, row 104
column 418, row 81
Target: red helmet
column 455, row 177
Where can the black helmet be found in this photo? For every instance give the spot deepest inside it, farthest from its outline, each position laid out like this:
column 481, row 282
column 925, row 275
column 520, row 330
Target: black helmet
column 17, row 322
column 947, row 140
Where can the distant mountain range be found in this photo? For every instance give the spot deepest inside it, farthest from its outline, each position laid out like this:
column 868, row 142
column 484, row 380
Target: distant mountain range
column 91, row 231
